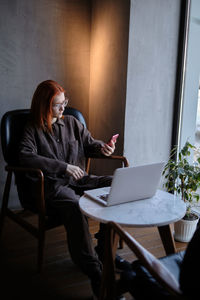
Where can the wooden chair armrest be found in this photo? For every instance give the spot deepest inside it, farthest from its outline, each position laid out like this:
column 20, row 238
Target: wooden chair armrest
column 123, row 159
column 24, row 170
column 119, row 157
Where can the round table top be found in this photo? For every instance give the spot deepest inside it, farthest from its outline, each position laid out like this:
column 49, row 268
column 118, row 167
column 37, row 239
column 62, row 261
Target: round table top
column 162, row 209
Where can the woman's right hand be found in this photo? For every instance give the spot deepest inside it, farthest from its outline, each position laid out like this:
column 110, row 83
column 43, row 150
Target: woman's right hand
column 75, row 171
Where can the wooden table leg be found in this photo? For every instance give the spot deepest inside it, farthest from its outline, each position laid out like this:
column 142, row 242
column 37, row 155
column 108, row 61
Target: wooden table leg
column 167, row 239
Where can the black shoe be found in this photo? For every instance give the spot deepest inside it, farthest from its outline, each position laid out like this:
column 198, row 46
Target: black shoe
column 100, row 253
column 96, row 284
column 122, row 264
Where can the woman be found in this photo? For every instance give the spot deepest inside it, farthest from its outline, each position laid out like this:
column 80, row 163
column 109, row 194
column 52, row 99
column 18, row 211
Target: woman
column 58, row 145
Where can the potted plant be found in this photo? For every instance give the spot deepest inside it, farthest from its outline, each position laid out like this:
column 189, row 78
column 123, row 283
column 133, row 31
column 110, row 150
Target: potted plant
column 183, row 178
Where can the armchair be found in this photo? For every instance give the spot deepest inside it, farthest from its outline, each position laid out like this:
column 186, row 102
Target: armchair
column 12, row 125
column 169, row 277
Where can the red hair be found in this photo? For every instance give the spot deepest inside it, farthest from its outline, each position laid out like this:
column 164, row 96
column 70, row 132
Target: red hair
column 41, row 106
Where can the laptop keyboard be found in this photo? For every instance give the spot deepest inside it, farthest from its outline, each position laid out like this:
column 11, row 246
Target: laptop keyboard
column 104, row 197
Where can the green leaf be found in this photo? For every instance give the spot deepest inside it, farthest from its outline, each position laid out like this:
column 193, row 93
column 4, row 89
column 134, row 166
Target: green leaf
column 181, row 176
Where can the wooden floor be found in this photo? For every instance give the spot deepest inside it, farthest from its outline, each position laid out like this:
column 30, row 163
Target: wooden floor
column 60, row 279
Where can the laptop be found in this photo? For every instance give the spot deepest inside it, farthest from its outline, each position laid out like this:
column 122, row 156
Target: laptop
column 129, row 184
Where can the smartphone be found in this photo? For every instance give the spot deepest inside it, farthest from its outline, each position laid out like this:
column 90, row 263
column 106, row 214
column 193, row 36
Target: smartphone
column 113, row 139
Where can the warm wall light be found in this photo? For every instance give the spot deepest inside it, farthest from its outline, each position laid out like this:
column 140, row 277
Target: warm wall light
column 108, row 65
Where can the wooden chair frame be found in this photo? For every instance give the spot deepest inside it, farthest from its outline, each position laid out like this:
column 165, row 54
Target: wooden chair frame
column 151, row 263
column 43, row 223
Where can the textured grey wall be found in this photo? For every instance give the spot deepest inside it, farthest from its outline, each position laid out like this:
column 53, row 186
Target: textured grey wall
column 153, row 40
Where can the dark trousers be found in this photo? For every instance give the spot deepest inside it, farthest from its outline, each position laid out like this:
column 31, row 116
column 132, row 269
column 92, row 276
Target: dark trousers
column 66, row 207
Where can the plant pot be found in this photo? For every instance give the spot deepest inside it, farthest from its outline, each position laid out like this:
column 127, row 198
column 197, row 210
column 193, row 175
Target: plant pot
column 184, row 229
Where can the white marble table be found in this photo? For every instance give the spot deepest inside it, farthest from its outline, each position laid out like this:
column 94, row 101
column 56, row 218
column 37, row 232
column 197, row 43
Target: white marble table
column 160, row 211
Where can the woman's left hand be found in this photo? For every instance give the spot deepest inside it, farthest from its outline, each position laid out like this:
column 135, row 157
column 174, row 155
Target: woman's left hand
column 108, row 150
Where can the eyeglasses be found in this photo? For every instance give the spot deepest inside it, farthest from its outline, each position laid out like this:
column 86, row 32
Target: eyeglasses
column 59, row 105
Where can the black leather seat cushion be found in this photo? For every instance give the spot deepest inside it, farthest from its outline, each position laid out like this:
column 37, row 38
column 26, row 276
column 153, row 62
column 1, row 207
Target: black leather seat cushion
column 12, row 127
